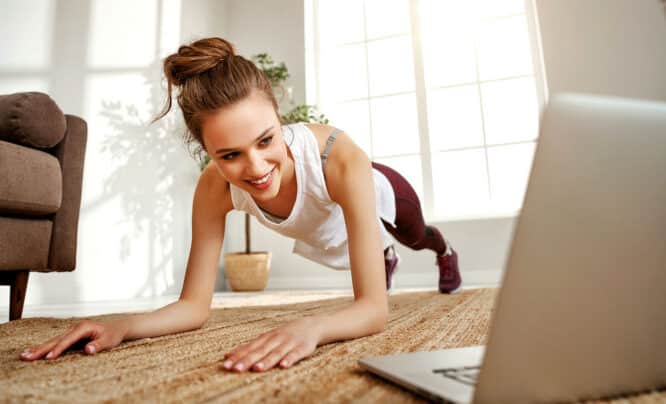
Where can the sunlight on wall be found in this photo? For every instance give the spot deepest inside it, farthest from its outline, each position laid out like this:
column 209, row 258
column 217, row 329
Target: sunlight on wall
column 130, row 184
column 123, row 33
column 26, row 36
column 27, row 33
column 15, row 85
column 170, row 26
column 111, row 102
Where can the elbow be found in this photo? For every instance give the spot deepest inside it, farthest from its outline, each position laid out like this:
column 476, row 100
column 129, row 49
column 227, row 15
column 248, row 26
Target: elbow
column 380, row 319
column 201, row 319
column 197, row 314
column 384, row 319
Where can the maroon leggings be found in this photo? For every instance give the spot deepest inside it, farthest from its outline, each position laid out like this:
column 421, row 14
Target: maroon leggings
column 410, row 229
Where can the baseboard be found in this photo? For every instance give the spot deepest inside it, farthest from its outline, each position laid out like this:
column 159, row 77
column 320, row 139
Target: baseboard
column 342, row 280
column 85, row 309
column 339, row 280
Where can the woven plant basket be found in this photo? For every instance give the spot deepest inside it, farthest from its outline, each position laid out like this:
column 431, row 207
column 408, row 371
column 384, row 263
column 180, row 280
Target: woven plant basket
column 247, row 272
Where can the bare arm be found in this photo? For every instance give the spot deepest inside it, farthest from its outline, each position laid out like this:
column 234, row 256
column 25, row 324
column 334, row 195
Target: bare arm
column 211, row 204
column 351, row 184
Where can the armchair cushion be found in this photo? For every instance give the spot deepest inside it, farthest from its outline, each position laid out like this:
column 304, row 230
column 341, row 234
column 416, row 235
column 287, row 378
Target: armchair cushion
column 32, row 119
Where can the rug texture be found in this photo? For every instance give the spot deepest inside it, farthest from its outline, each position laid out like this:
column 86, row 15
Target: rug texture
column 187, row 367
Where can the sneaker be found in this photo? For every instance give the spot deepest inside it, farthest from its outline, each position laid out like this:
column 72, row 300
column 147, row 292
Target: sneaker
column 391, row 259
column 449, row 274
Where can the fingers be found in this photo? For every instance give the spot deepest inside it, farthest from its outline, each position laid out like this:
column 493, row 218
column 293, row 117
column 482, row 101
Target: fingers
column 83, row 330
column 280, row 350
column 243, row 358
column 54, row 347
column 295, row 355
column 36, row 352
column 269, row 361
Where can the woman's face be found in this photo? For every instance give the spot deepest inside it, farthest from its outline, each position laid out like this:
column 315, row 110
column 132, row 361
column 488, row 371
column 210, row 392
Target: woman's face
column 246, row 144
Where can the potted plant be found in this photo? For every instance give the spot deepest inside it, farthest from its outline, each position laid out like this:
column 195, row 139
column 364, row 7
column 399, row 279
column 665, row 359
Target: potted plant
column 249, row 270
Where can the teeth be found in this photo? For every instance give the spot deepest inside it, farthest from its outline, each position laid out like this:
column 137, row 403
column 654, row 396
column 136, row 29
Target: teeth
column 263, row 180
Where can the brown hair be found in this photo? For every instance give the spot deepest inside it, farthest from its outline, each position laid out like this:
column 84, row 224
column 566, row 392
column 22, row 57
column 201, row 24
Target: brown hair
column 209, row 76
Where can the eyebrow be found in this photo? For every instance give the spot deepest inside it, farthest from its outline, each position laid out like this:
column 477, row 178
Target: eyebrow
column 225, row 150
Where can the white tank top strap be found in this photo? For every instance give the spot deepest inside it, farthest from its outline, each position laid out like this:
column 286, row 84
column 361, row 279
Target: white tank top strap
column 327, row 148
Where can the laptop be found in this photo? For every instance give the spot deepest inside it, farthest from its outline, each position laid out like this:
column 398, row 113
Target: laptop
column 581, row 313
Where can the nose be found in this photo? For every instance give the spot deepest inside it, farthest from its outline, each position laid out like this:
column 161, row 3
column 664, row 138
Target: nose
column 256, row 164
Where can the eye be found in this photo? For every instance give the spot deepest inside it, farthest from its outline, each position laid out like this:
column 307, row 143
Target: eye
column 229, row 156
column 266, row 141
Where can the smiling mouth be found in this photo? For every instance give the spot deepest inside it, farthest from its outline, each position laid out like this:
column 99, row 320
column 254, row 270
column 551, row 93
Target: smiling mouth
column 263, row 179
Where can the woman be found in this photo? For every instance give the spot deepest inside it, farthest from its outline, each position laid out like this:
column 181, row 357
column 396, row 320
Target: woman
column 309, row 182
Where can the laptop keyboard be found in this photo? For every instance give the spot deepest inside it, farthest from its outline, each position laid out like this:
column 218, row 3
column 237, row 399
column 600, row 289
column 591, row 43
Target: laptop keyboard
column 466, row 374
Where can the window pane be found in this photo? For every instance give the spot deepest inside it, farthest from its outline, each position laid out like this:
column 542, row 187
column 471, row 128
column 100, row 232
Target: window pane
column 509, row 170
column 504, row 49
column 395, row 129
column 391, row 66
column 460, row 183
column 123, row 33
column 510, row 110
column 386, row 17
column 340, row 21
column 343, row 73
column 447, row 32
column 26, row 32
column 454, row 118
column 410, row 168
column 353, row 118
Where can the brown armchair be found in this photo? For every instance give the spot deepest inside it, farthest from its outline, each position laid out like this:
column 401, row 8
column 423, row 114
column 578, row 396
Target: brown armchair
column 41, row 172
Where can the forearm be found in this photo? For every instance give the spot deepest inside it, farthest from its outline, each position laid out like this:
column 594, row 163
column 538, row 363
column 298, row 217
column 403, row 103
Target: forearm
column 176, row 317
column 357, row 320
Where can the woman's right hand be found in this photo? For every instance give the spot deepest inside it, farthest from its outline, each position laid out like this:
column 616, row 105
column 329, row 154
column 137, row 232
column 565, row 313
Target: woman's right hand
column 101, row 335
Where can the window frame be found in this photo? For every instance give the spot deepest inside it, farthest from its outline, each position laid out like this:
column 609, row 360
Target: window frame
column 313, row 90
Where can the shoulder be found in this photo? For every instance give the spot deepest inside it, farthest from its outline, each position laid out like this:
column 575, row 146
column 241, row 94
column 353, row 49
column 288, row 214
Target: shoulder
column 346, row 161
column 343, row 150
column 321, row 133
column 213, row 191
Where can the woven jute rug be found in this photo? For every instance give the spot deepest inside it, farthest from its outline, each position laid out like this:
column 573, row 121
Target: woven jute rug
column 187, row 367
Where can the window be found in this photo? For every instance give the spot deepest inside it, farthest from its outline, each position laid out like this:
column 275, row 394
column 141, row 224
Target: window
column 445, row 91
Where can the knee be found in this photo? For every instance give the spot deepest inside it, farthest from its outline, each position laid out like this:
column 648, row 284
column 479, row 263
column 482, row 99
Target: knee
column 412, row 237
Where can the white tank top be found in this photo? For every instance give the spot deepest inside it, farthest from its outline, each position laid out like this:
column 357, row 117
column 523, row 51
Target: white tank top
column 316, row 222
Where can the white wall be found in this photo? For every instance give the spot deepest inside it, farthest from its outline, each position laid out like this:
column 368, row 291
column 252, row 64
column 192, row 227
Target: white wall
column 102, row 61
column 134, row 230
column 612, row 47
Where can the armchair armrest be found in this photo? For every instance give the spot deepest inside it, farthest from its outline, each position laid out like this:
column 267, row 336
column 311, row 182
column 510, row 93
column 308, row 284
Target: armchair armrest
column 70, row 152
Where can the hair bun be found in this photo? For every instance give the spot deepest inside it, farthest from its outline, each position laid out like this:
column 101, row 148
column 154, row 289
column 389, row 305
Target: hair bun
column 197, row 58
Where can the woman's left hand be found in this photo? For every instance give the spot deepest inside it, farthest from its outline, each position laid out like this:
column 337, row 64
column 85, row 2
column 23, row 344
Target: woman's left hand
column 283, row 347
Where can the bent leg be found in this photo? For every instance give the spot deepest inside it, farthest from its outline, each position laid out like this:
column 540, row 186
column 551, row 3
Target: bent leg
column 411, row 229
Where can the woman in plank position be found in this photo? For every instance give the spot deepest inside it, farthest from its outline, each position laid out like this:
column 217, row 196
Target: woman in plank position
column 309, row 182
